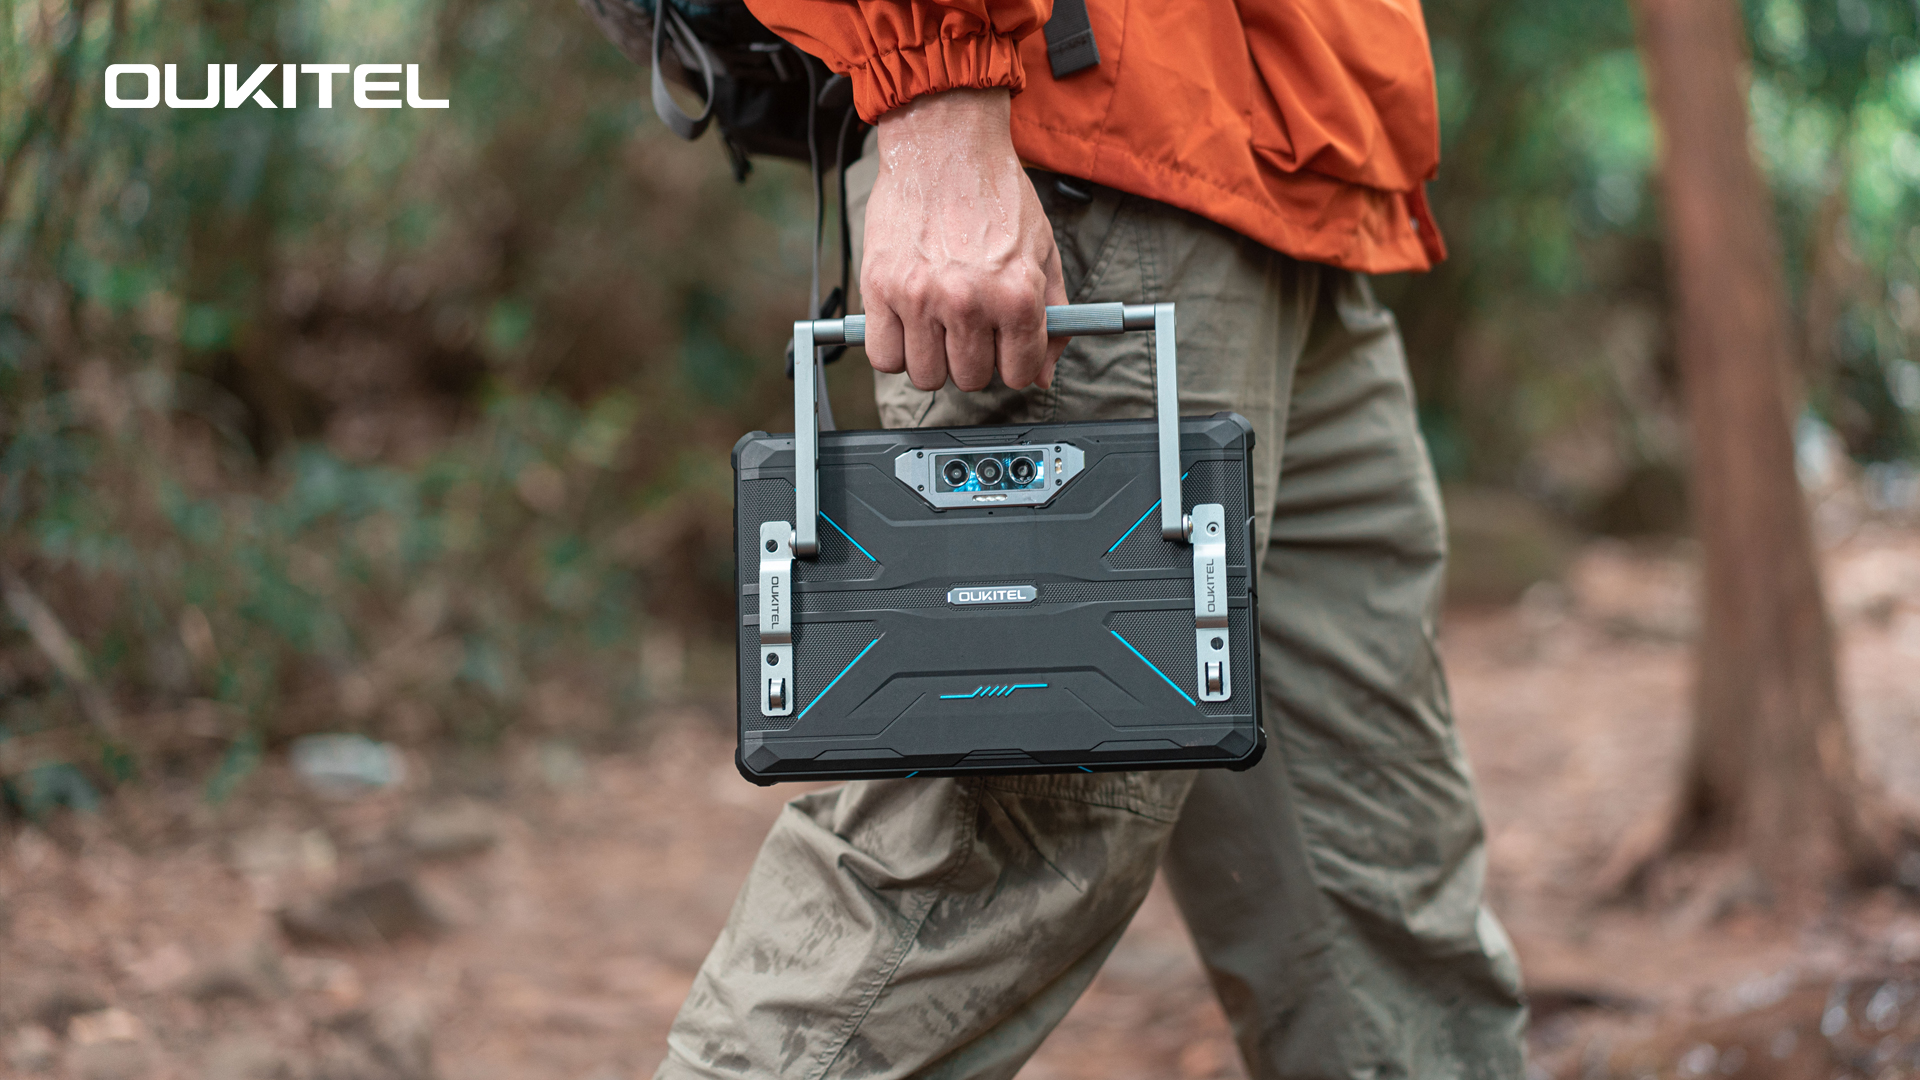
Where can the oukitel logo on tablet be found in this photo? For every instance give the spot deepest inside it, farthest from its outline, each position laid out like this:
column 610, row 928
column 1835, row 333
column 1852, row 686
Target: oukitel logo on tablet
column 996, row 594
column 374, row 86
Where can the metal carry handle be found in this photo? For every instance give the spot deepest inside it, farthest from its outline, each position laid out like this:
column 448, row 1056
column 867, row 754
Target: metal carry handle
column 1067, row 320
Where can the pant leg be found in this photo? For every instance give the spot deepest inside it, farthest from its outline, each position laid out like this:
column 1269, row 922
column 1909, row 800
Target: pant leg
column 888, row 925
column 1345, row 933
column 942, row 927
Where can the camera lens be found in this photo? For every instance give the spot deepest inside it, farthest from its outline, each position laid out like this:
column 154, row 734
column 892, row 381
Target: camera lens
column 1021, row 470
column 988, row 471
column 955, row 471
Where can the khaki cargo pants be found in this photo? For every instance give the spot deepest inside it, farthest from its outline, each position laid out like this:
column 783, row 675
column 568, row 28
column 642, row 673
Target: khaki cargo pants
column 942, row 927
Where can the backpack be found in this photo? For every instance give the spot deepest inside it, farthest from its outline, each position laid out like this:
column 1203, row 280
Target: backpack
column 752, row 83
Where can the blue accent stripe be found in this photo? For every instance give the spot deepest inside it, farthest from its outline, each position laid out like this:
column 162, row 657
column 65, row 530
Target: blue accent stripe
column 1129, row 532
column 1149, row 663
column 911, row 775
column 991, row 691
column 842, row 675
column 850, row 539
column 1083, row 768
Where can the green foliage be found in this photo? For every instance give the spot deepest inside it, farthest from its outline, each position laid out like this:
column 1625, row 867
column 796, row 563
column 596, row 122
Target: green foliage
column 54, row 784
column 322, row 419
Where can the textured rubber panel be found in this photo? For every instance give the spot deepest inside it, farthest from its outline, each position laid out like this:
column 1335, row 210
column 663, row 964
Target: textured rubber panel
column 1169, row 647
column 772, row 500
column 758, row 501
column 820, row 652
column 1141, row 548
column 1089, row 664
column 865, row 599
column 1077, row 592
column 1050, row 592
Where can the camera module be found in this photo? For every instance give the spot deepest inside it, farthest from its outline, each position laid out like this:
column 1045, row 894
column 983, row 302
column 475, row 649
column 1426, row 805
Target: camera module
column 988, row 471
column 955, row 472
column 1021, row 471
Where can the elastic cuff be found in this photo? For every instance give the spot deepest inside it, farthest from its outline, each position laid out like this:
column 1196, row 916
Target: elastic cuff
column 891, row 79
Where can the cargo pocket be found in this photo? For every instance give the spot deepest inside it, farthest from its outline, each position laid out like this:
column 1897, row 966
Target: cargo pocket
column 1086, row 218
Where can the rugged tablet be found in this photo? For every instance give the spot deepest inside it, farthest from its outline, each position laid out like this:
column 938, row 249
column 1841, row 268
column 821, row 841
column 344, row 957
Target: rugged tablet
column 1047, row 598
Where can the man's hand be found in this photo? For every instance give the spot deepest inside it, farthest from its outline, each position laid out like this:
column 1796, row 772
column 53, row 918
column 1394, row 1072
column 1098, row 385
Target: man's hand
column 959, row 261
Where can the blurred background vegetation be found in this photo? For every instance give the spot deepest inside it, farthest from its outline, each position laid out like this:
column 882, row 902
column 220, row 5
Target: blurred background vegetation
column 1541, row 347
column 416, row 423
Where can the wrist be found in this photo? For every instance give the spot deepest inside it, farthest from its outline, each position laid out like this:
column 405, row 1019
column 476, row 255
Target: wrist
column 979, row 117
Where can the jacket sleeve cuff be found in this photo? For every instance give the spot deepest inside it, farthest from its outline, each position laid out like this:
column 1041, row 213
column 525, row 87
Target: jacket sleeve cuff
column 889, row 80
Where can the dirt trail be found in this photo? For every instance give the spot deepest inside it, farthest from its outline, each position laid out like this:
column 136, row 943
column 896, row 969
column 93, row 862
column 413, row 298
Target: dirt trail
column 541, row 917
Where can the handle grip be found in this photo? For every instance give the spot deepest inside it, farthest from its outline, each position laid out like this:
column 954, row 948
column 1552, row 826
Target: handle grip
column 1067, row 320
column 1063, row 320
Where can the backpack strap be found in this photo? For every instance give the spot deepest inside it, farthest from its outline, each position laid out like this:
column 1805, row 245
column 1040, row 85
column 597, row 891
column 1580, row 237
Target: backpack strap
column 1070, row 44
column 667, row 22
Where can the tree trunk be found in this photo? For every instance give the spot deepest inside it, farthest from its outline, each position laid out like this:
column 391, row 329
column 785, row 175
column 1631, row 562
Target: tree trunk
column 1771, row 781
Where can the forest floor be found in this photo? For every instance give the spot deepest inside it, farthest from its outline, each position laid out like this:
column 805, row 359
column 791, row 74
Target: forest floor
column 538, row 915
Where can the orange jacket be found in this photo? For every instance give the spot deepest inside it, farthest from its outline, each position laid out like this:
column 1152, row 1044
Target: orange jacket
column 1308, row 125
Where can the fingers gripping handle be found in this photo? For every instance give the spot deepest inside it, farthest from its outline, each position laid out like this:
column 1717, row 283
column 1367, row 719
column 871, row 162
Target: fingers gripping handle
column 1067, row 320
